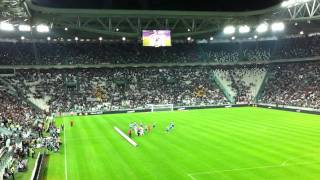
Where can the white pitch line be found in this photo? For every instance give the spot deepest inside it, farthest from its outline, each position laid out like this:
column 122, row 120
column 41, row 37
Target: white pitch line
column 191, row 175
column 298, row 157
column 200, row 173
column 193, row 178
column 65, row 149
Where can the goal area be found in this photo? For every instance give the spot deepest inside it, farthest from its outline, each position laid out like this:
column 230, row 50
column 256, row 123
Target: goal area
column 160, row 107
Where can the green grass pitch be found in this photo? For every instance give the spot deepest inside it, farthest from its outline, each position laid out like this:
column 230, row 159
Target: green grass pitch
column 233, row 143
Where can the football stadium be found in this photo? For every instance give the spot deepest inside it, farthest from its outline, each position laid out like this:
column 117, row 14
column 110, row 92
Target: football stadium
column 159, row 89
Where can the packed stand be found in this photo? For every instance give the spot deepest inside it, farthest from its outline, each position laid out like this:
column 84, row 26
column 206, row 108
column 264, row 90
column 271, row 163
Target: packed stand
column 56, row 53
column 21, row 133
column 240, row 87
column 93, row 89
column 293, row 85
column 241, row 82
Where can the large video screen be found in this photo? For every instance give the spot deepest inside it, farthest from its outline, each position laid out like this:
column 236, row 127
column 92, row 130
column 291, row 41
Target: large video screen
column 156, row 38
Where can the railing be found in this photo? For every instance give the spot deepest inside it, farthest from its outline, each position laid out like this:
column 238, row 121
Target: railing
column 36, row 173
column 150, row 65
column 5, row 159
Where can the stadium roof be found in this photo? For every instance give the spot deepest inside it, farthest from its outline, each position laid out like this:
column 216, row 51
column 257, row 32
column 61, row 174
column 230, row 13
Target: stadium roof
column 92, row 23
column 178, row 5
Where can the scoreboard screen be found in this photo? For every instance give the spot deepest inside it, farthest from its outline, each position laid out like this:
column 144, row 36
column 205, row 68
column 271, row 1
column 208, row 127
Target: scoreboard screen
column 156, row 38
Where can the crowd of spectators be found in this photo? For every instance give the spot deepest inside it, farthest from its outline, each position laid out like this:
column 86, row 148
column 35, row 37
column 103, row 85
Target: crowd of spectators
column 246, row 82
column 84, row 89
column 55, row 53
column 242, row 82
column 293, row 85
column 132, row 88
column 240, row 87
column 21, row 133
column 14, row 111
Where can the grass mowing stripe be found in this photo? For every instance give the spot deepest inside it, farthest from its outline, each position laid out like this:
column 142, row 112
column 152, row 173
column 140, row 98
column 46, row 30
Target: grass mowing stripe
column 88, row 152
column 199, row 131
column 292, row 142
column 119, row 151
column 223, row 136
column 65, row 151
column 203, row 140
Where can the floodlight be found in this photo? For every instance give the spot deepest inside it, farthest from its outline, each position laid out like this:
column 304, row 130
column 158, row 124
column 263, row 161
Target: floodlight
column 24, row 27
column 233, row 38
column 301, row 33
column 76, row 38
column 66, row 29
column 285, row 4
column 100, row 38
column 48, row 38
column 277, row 26
column 211, row 38
column 292, row 3
column 229, row 30
column 255, row 36
column 262, row 28
column 41, row 28
column 124, row 38
column 5, row 26
column 244, row 29
column 189, row 38
column 22, row 38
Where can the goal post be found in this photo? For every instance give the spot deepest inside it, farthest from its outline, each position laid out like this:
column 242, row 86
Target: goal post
column 160, row 107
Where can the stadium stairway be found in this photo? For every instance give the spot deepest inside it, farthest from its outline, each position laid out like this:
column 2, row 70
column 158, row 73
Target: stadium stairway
column 223, row 85
column 5, row 160
column 262, row 86
column 7, row 85
column 18, row 92
column 252, row 78
column 40, row 103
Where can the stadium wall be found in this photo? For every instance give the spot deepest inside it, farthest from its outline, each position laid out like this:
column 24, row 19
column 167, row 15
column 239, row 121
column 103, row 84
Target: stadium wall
column 37, row 168
column 176, row 108
column 290, row 108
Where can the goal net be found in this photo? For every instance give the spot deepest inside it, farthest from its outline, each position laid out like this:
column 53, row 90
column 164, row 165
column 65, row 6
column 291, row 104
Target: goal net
column 160, row 107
